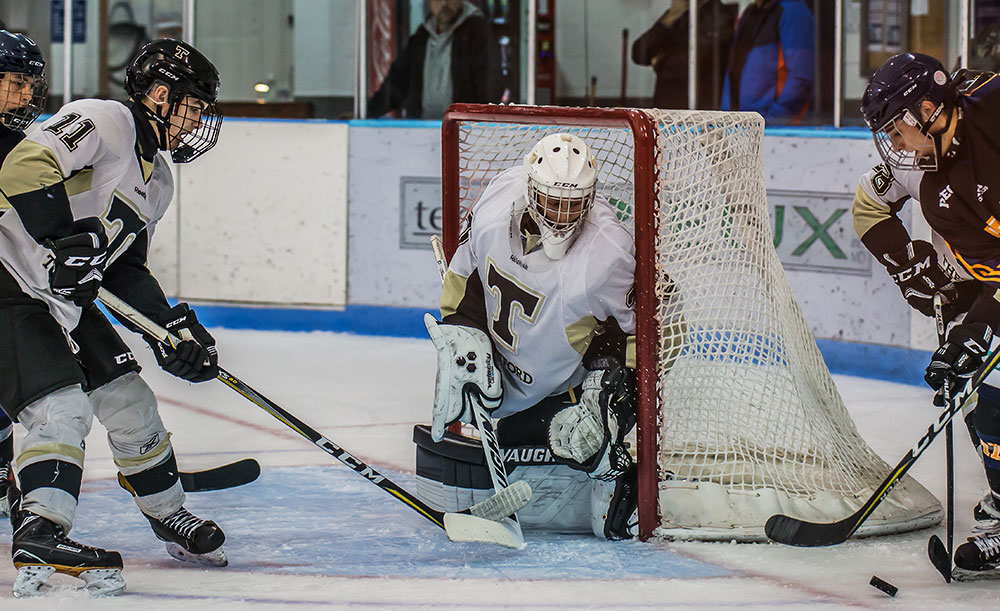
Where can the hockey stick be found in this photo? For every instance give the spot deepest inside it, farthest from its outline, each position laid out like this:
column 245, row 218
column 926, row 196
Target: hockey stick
column 230, row 475
column 478, row 523
column 793, row 531
column 481, row 420
column 939, row 554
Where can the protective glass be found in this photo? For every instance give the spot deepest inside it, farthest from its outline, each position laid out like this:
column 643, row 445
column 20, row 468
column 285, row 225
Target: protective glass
column 22, row 99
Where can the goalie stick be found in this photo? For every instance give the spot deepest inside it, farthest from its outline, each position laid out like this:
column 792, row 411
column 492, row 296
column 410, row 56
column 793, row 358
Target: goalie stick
column 793, row 531
column 939, row 554
column 481, row 420
column 475, row 524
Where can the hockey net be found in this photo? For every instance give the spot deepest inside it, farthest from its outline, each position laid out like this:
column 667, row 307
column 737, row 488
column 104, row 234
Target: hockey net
column 739, row 417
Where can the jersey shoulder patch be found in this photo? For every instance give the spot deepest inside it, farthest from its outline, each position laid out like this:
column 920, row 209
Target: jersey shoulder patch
column 881, row 179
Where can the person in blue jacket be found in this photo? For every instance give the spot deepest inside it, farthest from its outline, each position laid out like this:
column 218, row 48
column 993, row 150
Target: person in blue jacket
column 771, row 66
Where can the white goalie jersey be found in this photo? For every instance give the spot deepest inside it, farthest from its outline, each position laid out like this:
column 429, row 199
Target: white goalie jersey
column 541, row 314
column 91, row 148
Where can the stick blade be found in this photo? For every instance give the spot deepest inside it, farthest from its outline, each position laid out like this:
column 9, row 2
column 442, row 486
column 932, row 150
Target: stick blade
column 507, row 502
column 939, row 557
column 230, row 475
column 465, row 528
column 792, row 531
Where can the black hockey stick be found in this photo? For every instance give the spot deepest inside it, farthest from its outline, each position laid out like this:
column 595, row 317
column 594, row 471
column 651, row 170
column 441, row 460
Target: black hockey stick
column 467, row 528
column 939, row 554
column 793, row 531
column 231, row 475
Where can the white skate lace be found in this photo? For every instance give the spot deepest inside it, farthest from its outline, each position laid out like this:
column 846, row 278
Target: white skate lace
column 183, row 522
column 989, row 547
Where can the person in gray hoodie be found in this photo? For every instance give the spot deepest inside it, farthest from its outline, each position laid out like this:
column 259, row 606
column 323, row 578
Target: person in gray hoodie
column 446, row 60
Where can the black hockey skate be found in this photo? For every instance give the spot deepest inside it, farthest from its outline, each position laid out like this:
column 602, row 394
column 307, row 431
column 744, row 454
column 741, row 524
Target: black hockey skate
column 986, row 511
column 40, row 549
column 7, row 487
column 191, row 539
column 979, row 557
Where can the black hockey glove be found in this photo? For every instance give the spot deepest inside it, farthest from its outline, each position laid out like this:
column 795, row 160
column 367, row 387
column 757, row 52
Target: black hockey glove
column 917, row 273
column 76, row 267
column 195, row 358
column 957, row 359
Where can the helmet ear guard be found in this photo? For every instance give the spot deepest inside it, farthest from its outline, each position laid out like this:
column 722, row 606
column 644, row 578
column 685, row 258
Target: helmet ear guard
column 561, row 185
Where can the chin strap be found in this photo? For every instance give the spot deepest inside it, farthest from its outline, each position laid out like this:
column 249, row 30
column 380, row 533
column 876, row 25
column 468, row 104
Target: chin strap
column 162, row 122
column 938, row 138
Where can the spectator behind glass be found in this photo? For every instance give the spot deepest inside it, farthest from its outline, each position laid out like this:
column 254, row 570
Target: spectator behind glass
column 665, row 47
column 771, row 64
column 446, row 60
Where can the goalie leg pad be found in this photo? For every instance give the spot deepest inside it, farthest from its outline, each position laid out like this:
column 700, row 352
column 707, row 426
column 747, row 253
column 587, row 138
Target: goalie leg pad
column 452, row 475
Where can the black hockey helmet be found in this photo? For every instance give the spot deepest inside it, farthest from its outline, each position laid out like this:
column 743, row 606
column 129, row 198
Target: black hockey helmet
column 895, row 93
column 23, row 90
column 186, row 72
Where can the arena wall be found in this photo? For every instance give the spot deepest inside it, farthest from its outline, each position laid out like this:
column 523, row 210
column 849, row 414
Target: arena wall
column 323, row 225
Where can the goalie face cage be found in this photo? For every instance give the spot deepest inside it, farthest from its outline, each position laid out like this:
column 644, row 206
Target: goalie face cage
column 738, row 418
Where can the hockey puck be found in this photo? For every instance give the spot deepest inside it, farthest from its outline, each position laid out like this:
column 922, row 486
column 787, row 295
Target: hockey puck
column 885, row 586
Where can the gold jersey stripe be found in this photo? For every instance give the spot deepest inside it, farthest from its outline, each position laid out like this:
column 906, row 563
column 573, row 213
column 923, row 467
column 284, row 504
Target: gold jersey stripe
column 867, row 212
column 80, row 182
column 160, row 448
column 452, row 293
column 580, row 333
column 47, row 451
column 29, row 167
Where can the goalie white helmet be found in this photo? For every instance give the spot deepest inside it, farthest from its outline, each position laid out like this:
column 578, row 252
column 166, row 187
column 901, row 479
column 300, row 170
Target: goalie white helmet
column 562, row 177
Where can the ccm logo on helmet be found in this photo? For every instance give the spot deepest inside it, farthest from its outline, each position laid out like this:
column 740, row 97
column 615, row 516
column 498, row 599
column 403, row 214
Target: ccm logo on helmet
column 571, row 185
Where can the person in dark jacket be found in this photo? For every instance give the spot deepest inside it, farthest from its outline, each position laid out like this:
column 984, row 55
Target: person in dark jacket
column 665, row 47
column 771, row 67
column 446, row 60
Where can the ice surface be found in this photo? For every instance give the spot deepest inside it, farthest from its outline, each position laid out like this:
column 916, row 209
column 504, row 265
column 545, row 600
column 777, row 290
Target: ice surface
column 312, row 534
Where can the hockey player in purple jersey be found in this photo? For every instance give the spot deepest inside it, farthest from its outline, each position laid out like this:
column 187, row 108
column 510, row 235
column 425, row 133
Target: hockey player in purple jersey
column 940, row 140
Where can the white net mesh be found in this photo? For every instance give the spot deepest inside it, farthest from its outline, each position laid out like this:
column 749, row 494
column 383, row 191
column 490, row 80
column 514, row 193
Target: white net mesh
column 751, row 423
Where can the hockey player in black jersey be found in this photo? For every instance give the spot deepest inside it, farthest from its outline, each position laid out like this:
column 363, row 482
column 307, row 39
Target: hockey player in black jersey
column 86, row 191
column 940, row 140
column 23, row 92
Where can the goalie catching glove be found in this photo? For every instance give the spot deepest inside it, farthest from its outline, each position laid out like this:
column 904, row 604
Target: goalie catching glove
column 589, row 435
column 194, row 358
column 466, row 371
column 956, row 360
